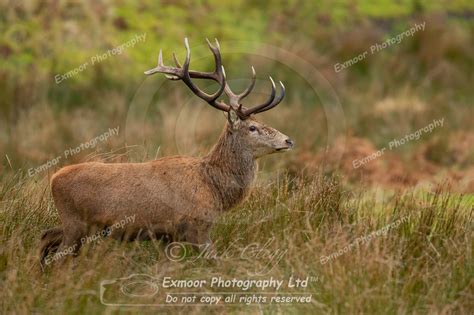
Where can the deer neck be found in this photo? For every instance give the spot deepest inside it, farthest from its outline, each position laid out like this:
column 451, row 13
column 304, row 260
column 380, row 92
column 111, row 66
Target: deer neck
column 230, row 168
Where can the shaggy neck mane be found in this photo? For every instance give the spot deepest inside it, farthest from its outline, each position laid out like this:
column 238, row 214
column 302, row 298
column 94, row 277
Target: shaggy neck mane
column 230, row 168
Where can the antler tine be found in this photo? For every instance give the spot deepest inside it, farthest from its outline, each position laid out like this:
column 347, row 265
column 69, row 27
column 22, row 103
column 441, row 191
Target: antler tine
column 268, row 102
column 187, row 61
column 160, row 58
column 171, row 77
column 232, row 97
column 249, row 89
column 209, row 43
column 176, row 61
column 216, row 51
column 276, row 101
column 236, row 98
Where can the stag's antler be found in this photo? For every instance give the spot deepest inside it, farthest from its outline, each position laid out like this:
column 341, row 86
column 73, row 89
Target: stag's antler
column 244, row 112
column 183, row 73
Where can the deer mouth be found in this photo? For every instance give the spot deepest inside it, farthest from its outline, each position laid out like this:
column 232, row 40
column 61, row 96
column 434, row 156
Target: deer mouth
column 289, row 145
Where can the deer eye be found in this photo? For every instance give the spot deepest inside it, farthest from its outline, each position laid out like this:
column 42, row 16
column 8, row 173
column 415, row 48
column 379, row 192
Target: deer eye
column 252, row 128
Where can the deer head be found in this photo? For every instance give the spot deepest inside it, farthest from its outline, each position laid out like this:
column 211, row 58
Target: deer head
column 248, row 133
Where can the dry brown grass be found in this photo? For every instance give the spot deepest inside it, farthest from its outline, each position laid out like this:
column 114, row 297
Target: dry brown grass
column 423, row 265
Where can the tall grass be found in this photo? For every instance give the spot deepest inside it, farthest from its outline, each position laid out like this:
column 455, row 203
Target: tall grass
column 423, row 265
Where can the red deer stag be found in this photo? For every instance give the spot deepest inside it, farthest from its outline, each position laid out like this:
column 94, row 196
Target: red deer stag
column 177, row 196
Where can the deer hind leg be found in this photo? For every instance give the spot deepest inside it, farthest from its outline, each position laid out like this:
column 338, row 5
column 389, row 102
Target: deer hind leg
column 50, row 241
column 70, row 244
column 73, row 228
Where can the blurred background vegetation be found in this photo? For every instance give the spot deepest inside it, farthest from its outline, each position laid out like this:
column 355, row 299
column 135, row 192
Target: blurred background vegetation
column 385, row 96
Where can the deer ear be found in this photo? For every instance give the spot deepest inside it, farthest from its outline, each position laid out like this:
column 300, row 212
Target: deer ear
column 233, row 119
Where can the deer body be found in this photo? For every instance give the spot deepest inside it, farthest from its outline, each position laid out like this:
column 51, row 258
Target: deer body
column 163, row 195
column 174, row 196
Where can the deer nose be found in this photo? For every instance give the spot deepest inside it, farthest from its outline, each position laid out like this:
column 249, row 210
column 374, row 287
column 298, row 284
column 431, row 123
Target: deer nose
column 289, row 142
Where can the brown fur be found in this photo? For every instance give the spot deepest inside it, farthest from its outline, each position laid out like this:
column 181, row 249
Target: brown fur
column 178, row 196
